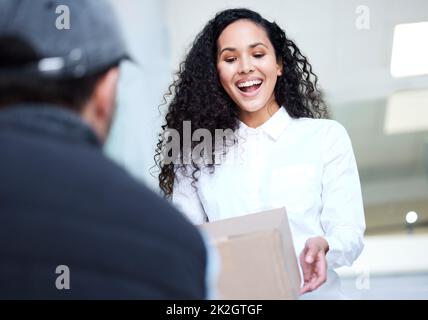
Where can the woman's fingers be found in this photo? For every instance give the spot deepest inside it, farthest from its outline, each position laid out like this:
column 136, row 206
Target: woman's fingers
column 321, row 271
column 306, row 267
column 311, row 255
column 314, row 267
column 307, row 270
column 305, row 289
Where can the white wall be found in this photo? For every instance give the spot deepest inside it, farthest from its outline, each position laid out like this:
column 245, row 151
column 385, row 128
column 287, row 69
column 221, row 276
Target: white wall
column 386, row 255
column 390, row 267
column 391, row 287
column 137, row 123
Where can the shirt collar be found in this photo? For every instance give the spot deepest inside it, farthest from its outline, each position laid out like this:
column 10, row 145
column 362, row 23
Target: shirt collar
column 274, row 126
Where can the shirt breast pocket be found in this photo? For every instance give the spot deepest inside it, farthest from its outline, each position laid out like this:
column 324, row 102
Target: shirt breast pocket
column 295, row 187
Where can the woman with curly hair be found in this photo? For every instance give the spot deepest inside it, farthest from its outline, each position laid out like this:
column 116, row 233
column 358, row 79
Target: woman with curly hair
column 243, row 74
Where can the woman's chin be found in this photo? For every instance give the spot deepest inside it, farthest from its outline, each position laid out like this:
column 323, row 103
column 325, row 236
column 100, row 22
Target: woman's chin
column 251, row 107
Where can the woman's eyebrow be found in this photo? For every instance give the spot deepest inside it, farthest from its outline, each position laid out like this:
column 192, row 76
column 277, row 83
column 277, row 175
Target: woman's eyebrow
column 258, row 44
column 226, row 49
column 250, row 46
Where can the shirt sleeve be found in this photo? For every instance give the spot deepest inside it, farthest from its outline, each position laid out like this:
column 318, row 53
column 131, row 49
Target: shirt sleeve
column 213, row 267
column 342, row 216
column 185, row 197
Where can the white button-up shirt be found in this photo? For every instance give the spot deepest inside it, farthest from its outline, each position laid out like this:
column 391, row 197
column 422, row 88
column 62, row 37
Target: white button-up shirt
column 305, row 165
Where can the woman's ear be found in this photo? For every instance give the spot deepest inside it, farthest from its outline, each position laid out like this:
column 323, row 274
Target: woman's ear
column 280, row 68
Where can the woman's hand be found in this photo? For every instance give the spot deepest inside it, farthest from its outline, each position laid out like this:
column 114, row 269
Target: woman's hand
column 314, row 264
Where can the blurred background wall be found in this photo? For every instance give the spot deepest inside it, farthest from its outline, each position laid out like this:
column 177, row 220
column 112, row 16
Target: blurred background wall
column 134, row 132
column 374, row 72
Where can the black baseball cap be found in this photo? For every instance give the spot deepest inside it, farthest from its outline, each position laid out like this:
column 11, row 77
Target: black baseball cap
column 69, row 38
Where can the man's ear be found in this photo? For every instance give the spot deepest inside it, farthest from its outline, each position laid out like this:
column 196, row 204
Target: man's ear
column 104, row 96
column 99, row 110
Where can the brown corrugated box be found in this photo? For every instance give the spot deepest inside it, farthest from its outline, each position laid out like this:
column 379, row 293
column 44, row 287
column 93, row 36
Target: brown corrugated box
column 258, row 260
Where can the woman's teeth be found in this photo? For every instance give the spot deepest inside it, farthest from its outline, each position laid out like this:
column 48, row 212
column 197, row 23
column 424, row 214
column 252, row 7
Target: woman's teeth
column 247, row 84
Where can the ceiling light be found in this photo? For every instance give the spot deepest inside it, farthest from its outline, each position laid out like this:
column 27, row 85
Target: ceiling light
column 410, row 50
column 407, row 111
column 411, row 217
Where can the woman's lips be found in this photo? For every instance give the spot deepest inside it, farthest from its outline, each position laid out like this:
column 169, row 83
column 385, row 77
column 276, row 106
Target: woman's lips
column 252, row 92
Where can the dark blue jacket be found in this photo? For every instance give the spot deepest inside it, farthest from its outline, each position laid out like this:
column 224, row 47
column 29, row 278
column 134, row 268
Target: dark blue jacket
column 62, row 202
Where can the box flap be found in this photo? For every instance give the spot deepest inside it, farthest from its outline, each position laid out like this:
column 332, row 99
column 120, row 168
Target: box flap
column 261, row 221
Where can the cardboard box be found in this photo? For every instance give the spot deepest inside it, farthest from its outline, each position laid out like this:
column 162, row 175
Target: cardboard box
column 258, row 260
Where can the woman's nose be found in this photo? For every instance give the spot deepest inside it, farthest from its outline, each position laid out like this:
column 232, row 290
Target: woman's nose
column 246, row 66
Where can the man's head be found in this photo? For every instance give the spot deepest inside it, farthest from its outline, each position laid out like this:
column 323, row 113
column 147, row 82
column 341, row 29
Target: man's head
column 65, row 53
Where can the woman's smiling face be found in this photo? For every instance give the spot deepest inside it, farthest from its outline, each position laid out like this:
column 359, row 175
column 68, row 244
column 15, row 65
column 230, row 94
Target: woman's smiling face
column 247, row 66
